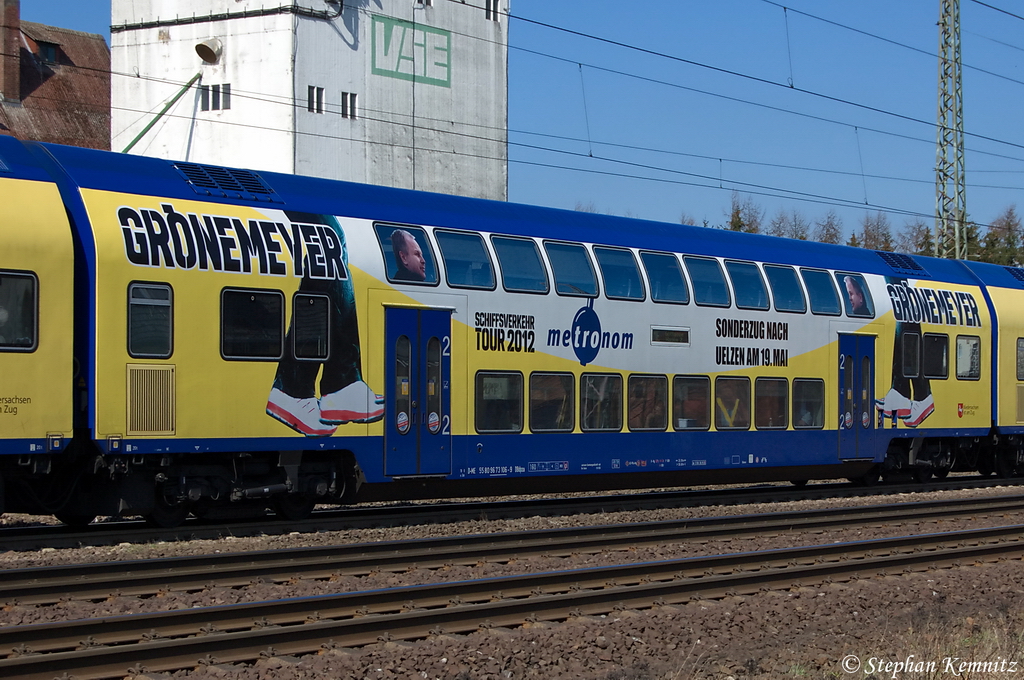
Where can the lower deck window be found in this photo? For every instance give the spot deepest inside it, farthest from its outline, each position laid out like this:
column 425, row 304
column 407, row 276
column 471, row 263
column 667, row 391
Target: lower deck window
column 499, row 402
column 648, row 402
column 311, row 315
column 691, row 402
column 808, row 404
column 601, row 402
column 771, row 404
column 18, row 305
column 968, row 357
column 732, row 403
column 552, row 403
column 252, row 324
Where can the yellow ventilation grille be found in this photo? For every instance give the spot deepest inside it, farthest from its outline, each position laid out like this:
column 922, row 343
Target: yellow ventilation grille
column 150, row 399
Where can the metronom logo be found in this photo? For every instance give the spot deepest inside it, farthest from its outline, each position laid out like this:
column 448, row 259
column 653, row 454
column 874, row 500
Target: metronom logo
column 408, row 51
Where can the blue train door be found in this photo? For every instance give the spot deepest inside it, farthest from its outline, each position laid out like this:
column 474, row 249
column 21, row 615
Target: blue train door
column 856, row 395
column 417, row 413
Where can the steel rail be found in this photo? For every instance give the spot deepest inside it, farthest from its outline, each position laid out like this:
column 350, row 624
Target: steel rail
column 364, row 516
column 40, row 586
column 230, row 634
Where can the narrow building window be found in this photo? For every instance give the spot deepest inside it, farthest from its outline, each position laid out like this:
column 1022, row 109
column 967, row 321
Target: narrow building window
column 348, row 104
column 491, row 10
column 214, row 97
column 315, row 102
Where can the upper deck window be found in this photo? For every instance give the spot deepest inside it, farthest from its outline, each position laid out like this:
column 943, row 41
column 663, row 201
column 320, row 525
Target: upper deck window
column 666, row 278
column 856, row 295
column 822, row 292
column 251, row 324
column 786, row 291
column 620, row 273
column 521, row 268
column 407, row 254
column 573, row 271
column 709, row 287
column 748, row 285
column 18, row 312
column 466, row 263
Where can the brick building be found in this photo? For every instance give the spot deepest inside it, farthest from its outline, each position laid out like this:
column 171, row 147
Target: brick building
column 54, row 82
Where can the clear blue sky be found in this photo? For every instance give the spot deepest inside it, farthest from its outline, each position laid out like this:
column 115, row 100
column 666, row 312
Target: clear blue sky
column 656, row 110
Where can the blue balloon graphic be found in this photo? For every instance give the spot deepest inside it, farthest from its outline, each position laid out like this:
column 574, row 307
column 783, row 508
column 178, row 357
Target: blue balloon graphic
column 586, row 334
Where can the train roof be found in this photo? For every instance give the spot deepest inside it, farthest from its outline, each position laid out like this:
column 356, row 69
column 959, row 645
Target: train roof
column 91, row 169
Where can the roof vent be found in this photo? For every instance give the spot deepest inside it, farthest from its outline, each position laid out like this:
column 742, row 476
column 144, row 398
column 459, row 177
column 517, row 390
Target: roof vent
column 3, row 166
column 1016, row 272
column 902, row 264
column 212, row 180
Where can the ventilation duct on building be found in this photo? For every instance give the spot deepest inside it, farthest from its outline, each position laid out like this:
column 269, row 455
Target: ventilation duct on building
column 210, row 50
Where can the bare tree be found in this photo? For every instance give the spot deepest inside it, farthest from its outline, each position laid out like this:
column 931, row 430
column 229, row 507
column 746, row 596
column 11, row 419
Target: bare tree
column 587, row 207
column 828, row 229
column 876, row 234
column 745, row 216
column 915, row 238
column 1002, row 242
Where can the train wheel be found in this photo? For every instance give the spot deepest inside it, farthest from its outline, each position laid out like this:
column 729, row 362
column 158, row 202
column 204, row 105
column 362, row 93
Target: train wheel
column 166, row 515
column 871, row 478
column 922, row 474
column 73, row 520
column 798, row 483
column 941, row 473
column 294, row 507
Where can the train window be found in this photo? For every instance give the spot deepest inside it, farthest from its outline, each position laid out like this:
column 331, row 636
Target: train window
column 311, row 319
column 403, row 381
column 571, row 267
column 620, row 273
column 748, row 285
column 968, row 357
column 251, row 324
column 18, row 312
column 521, row 268
column 856, row 295
column 466, row 263
column 935, row 355
column 786, row 291
column 822, row 292
column 666, row 278
column 601, row 402
column 732, row 403
column 808, row 404
column 691, row 402
column 648, row 402
column 407, row 254
column 911, row 354
column 1020, row 358
column 552, row 402
column 709, row 287
column 150, row 320
column 499, row 402
column 771, row 403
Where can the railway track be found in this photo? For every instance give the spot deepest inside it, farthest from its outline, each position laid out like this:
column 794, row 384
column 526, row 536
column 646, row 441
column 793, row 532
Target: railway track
column 112, row 533
column 143, row 578
column 168, row 641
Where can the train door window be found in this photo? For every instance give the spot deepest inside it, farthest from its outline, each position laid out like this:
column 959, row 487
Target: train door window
column 571, row 267
column 408, row 257
column 771, row 403
column 620, row 273
column 601, row 402
column 856, row 295
column 935, row 355
column 466, row 263
column 1020, row 359
column 747, row 285
column 691, row 402
column 648, row 402
column 403, row 383
column 732, row 403
column 665, row 278
column 709, row 287
column 150, row 320
column 822, row 292
column 521, row 268
column 808, row 404
column 499, row 402
column 911, row 355
column 552, row 402
column 251, row 324
column 18, row 312
column 311, row 323
column 786, row 291
column 968, row 357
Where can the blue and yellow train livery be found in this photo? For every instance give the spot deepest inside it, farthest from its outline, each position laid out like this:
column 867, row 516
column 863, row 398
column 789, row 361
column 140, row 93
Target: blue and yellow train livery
column 178, row 338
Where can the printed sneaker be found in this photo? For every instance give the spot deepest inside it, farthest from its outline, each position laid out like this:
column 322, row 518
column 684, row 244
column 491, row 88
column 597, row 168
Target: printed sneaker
column 302, row 415
column 894, row 402
column 919, row 411
column 354, row 403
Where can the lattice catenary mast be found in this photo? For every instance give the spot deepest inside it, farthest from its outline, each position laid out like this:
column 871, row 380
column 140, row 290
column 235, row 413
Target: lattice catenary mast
column 950, row 193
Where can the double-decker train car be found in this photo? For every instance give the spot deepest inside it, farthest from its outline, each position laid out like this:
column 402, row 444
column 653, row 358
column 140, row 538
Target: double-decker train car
column 179, row 338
